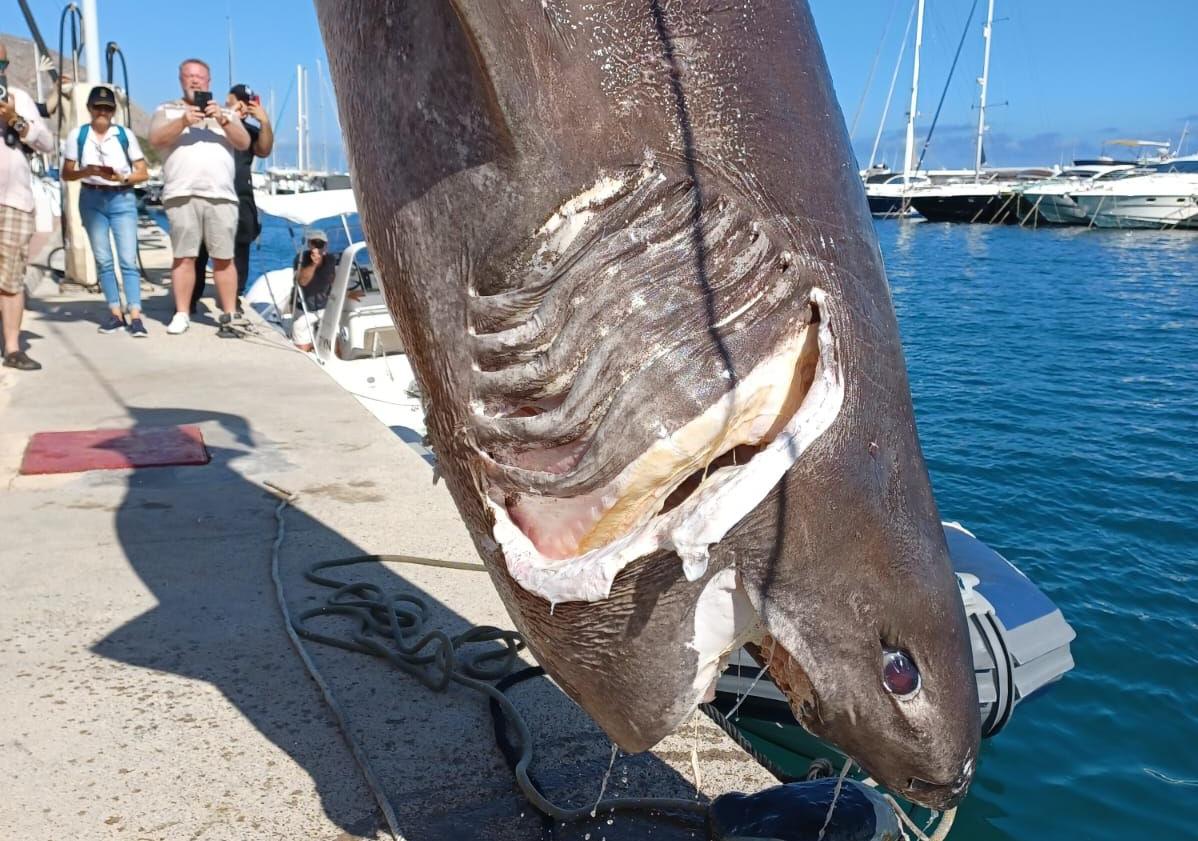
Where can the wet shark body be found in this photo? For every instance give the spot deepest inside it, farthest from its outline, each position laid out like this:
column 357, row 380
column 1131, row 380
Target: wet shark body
column 630, row 258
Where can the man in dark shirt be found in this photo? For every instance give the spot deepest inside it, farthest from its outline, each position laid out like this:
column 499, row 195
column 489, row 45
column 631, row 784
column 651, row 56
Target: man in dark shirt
column 315, row 270
column 248, row 106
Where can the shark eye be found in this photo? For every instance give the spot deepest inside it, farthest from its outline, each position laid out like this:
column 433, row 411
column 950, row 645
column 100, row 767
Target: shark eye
column 900, row 675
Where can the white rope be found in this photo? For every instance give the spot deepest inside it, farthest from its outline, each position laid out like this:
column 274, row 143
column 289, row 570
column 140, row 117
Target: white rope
column 942, row 828
column 844, row 772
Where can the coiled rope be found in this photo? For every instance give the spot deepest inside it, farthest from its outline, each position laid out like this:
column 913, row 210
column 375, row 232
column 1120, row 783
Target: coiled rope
column 432, row 657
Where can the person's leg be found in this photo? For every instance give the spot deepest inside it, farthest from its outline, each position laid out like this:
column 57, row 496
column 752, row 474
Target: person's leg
column 122, row 216
column 12, row 308
column 220, row 226
column 183, row 278
column 201, row 277
column 16, row 229
column 224, row 273
column 241, row 261
column 185, row 232
column 94, row 211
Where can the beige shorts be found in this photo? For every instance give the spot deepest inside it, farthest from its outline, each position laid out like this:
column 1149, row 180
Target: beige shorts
column 16, row 229
column 194, row 220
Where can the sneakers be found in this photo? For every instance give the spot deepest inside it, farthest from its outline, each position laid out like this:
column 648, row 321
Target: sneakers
column 179, row 324
column 113, row 323
column 137, row 330
column 20, row 360
column 225, row 330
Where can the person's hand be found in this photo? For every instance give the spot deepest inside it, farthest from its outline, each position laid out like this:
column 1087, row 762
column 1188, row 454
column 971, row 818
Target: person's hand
column 192, row 115
column 110, row 174
column 213, row 110
column 255, row 110
column 356, row 294
column 317, row 256
column 8, row 111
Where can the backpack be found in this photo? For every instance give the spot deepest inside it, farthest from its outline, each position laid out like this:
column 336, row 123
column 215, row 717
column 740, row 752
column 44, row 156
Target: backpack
column 121, row 137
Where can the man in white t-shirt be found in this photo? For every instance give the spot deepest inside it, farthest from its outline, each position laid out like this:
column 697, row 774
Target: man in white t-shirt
column 198, row 192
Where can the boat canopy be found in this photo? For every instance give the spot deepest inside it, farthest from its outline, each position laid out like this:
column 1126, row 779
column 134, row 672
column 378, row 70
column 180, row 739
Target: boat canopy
column 306, row 208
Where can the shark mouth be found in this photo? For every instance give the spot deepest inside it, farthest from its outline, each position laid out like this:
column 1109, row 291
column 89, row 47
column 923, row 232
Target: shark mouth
column 689, row 488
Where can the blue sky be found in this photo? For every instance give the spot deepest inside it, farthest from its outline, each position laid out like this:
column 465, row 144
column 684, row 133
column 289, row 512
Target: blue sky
column 1070, row 72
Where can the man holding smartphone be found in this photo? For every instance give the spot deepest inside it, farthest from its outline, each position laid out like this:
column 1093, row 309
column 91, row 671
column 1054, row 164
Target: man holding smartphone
column 198, row 139
column 24, row 134
column 248, row 106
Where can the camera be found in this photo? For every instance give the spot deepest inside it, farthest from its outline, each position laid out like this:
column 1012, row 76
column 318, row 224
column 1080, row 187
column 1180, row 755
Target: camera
column 3, row 87
column 201, row 99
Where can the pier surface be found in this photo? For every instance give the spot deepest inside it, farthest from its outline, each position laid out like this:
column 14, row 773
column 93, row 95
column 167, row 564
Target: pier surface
column 150, row 688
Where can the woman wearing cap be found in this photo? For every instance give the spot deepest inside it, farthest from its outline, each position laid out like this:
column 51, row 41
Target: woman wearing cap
column 108, row 159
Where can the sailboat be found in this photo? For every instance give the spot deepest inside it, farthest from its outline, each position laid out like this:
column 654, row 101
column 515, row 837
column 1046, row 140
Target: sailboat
column 990, row 196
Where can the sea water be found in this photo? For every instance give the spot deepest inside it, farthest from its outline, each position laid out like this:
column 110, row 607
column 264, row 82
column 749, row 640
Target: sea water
column 1055, row 381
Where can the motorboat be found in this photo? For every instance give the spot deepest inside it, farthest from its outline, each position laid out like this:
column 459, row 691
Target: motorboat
column 1162, row 196
column 1049, row 202
column 355, row 341
column 889, row 193
column 988, row 198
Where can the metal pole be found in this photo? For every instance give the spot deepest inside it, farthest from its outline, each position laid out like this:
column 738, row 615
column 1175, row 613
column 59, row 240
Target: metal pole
column 985, row 83
column 909, row 159
column 893, row 78
column 91, row 41
column 299, row 117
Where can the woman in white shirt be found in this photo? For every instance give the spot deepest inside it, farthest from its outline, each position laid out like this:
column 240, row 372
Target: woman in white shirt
column 109, row 160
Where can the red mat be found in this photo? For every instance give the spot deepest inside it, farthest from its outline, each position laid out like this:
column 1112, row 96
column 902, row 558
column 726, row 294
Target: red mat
column 112, row 449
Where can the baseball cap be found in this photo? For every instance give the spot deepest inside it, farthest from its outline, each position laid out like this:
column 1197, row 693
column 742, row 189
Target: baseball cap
column 315, row 235
column 101, row 95
column 242, row 91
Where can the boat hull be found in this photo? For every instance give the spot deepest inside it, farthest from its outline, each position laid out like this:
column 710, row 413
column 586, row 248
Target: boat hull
column 993, row 209
column 1048, row 209
column 1146, row 212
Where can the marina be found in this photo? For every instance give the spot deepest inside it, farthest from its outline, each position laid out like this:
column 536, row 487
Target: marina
column 187, row 657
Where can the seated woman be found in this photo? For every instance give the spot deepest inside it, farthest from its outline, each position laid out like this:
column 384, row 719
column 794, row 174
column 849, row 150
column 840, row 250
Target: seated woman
column 315, row 270
column 108, row 159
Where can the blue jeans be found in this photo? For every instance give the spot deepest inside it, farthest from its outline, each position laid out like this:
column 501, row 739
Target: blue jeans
column 104, row 211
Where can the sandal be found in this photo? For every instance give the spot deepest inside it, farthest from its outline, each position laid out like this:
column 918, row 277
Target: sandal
column 20, row 360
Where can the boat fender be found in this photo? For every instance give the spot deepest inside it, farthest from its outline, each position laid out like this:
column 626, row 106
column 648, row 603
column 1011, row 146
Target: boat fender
column 800, row 812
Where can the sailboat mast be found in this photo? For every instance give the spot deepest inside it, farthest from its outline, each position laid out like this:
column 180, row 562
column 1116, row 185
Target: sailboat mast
column 909, row 158
column 890, row 93
column 229, row 24
column 91, row 41
column 307, row 119
column 985, row 83
column 299, row 117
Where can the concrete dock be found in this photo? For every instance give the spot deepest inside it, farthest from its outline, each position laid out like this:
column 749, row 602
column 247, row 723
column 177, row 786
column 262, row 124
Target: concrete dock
column 150, row 688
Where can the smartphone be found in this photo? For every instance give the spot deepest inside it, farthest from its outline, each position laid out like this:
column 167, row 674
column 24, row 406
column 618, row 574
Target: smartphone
column 201, row 99
column 3, row 87
column 106, row 170
column 255, row 99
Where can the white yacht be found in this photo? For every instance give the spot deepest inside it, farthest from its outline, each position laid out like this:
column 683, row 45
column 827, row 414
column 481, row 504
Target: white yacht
column 355, row 342
column 1050, row 201
column 1163, row 195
